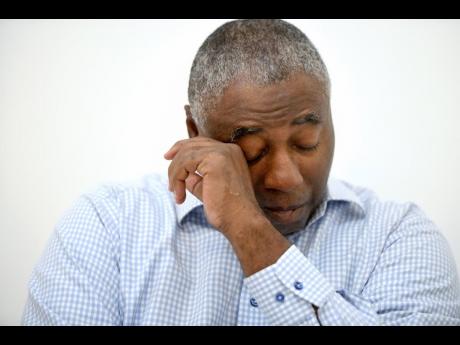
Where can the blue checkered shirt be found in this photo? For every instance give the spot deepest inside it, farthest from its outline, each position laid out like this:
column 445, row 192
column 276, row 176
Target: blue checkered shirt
column 126, row 254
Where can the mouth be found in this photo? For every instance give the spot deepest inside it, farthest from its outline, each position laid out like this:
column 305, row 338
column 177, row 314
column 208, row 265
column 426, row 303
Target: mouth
column 285, row 215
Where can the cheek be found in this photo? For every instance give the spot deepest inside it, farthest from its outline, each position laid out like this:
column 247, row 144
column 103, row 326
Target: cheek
column 320, row 177
column 256, row 175
column 315, row 169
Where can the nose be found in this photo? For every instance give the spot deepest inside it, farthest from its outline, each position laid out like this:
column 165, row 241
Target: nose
column 283, row 173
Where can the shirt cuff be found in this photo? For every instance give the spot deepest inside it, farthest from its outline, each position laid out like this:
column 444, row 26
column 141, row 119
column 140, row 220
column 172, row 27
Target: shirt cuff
column 286, row 290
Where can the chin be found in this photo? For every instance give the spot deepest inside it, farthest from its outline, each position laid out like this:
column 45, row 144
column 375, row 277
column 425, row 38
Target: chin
column 289, row 223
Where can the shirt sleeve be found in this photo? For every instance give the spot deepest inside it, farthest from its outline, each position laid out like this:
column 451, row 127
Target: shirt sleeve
column 414, row 283
column 76, row 279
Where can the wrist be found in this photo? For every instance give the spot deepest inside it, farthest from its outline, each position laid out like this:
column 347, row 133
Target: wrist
column 244, row 218
column 256, row 242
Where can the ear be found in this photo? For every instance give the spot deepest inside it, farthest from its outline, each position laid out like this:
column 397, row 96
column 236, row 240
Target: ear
column 192, row 128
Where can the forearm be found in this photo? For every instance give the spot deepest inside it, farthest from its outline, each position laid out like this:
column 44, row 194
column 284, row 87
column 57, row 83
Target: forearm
column 256, row 242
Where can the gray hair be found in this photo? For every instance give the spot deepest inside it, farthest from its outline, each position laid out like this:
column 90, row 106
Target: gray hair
column 262, row 51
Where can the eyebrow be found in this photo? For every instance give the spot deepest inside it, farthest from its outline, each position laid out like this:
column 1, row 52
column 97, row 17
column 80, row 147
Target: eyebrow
column 239, row 132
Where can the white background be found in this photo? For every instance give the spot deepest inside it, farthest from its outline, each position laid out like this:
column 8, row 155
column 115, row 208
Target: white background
column 84, row 102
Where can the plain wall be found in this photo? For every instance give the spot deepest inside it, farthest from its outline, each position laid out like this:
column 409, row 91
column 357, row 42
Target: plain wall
column 84, row 102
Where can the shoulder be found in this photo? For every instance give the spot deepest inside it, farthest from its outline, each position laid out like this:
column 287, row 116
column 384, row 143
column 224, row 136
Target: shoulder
column 148, row 191
column 401, row 230
column 386, row 222
column 153, row 186
column 111, row 206
column 387, row 213
column 395, row 224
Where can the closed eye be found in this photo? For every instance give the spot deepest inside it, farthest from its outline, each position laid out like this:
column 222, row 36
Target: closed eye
column 298, row 147
column 307, row 148
column 257, row 158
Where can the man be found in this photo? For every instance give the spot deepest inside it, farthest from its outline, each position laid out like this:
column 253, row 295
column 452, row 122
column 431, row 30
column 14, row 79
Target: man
column 254, row 231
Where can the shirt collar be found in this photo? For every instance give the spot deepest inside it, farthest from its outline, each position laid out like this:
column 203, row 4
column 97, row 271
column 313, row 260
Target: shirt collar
column 337, row 190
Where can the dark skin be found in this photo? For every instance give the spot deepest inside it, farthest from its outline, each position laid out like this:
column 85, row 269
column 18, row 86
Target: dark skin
column 264, row 157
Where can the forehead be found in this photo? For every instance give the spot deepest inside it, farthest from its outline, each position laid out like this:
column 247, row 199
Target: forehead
column 247, row 104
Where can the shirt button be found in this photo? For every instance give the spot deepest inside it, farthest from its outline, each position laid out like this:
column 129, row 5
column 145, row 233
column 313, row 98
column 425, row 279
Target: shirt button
column 280, row 297
column 298, row 285
column 253, row 302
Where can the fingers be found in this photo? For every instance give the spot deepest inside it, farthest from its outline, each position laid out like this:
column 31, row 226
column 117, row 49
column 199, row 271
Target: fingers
column 179, row 191
column 174, row 149
column 182, row 169
column 186, row 155
column 179, row 171
column 194, row 185
column 171, row 153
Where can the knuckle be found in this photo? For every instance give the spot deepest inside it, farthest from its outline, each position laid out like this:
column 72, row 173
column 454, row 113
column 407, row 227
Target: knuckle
column 235, row 148
column 236, row 151
column 178, row 143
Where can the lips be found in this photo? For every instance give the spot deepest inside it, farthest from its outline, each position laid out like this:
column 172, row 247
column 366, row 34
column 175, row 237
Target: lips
column 285, row 214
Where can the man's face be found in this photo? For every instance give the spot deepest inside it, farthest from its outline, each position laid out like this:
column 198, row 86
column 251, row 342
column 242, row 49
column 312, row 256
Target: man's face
column 286, row 133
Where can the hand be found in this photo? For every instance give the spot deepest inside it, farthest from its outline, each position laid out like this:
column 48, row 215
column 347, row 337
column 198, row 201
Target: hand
column 224, row 186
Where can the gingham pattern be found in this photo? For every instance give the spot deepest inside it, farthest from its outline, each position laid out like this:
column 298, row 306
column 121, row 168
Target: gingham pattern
column 127, row 255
